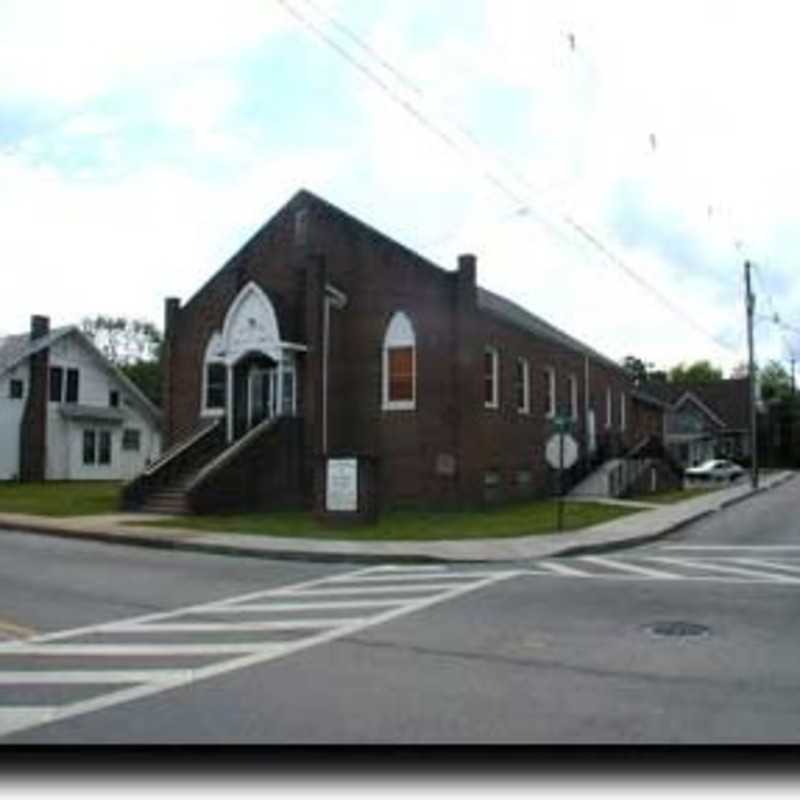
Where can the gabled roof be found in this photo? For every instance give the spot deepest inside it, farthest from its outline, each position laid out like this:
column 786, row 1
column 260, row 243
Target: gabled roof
column 487, row 301
column 727, row 400
column 518, row 316
column 15, row 349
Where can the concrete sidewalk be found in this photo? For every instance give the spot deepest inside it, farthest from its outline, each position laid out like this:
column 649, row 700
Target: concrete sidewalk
column 652, row 522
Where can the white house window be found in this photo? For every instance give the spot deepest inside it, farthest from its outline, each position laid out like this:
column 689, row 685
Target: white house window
column 96, row 447
column 113, row 398
column 522, row 386
column 89, row 447
column 131, row 439
column 16, row 389
column 56, row 384
column 609, row 408
column 572, row 385
column 399, row 365
column 73, row 380
column 550, row 383
column 622, row 412
column 104, row 448
column 491, row 370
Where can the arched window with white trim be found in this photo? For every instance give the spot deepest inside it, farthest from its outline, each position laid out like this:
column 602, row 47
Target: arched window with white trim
column 399, row 365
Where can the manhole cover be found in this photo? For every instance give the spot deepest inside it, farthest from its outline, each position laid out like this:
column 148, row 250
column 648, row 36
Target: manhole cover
column 681, row 630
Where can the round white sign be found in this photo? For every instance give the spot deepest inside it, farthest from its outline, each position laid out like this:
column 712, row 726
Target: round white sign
column 552, row 451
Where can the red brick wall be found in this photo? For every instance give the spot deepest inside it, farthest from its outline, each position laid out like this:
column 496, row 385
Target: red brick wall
column 414, row 449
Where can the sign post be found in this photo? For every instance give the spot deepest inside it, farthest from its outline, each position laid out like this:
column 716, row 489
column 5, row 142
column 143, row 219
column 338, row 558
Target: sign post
column 561, row 453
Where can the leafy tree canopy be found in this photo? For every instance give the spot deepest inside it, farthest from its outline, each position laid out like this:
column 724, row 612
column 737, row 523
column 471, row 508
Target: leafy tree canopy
column 132, row 345
column 638, row 369
column 775, row 381
column 696, row 372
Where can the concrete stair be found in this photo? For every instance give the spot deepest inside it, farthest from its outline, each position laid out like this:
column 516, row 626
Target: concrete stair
column 170, row 499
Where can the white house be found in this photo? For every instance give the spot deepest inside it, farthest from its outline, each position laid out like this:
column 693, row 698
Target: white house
column 66, row 413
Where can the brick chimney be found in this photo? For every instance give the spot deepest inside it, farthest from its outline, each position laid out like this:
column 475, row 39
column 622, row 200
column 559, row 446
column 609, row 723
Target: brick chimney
column 33, row 428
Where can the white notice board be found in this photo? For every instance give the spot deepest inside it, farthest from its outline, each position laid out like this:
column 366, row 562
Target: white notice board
column 341, row 487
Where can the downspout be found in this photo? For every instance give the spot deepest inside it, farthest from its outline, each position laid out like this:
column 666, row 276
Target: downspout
column 326, row 333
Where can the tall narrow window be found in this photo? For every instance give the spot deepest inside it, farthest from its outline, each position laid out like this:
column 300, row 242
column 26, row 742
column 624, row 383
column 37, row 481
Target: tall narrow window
column 491, row 370
column 216, row 385
column 572, row 385
column 73, row 379
column 550, row 385
column 522, row 386
column 113, row 398
column 399, row 365
column 56, row 384
column 89, row 444
column 104, row 450
column 609, row 408
column 16, row 389
column 622, row 412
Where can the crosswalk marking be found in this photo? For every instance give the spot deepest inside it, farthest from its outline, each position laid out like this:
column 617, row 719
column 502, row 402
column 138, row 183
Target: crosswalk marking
column 100, row 676
column 346, row 590
column 562, row 569
column 398, row 598
column 728, row 569
column 627, row 566
column 764, row 563
column 313, row 605
column 719, row 569
column 208, row 627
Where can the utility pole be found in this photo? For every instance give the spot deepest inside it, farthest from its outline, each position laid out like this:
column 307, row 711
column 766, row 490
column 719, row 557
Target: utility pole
column 750, row 302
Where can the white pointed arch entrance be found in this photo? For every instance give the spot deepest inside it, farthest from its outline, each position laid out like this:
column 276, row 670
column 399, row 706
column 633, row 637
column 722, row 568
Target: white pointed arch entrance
column 259, row 380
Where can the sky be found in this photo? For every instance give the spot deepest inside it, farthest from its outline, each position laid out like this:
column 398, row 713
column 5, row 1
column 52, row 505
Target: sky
column 612, row 165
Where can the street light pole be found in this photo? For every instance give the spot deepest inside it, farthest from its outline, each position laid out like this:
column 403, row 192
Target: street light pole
column 750, row 302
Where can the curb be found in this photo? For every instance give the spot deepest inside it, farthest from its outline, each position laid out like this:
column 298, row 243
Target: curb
column 189, row 546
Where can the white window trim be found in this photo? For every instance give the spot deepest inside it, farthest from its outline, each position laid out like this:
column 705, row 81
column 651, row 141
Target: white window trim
column 623, row 416
column 494, row 403
column 525, row 408
column 609, row 409
column 572, row 380
column 399, row 335
column 550, row 412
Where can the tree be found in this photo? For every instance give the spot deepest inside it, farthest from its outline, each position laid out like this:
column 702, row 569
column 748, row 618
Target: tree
column 122, row 340
column 131, row 345
column 638, row 370
column 697, row 372
column 776, row 383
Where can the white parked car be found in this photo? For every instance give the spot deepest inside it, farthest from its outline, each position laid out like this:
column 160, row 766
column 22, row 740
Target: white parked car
column 716, row 469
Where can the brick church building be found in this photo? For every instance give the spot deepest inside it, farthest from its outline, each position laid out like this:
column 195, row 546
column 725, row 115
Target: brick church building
column 324, row 338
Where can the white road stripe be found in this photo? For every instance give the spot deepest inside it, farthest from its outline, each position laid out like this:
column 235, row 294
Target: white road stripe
column 762, row 562
column 562, row 569
column 626, row 566
column 41, row 677
column 707, row 565
column 413, row 577
column 345, row 590
column 73, row 632
column 309, row 605
column 81, row 649
column 729, row 547
column 21, row 717
column 250, row 655
column 265, row 625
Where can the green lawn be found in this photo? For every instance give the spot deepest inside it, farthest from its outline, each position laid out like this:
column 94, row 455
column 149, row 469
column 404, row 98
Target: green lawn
column 518, row 520
column 60, row 498
column 676, row 496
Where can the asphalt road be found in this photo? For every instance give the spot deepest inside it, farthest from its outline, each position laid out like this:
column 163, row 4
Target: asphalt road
column 693, row 639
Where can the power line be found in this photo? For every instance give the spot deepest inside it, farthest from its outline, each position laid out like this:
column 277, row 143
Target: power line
column 580, row 229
